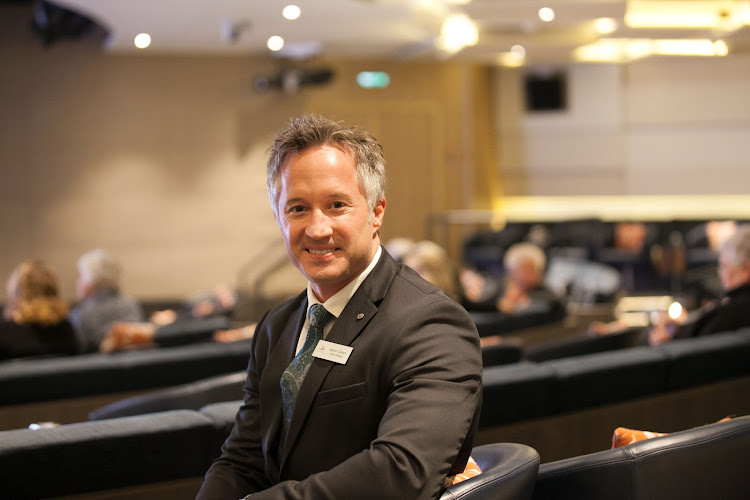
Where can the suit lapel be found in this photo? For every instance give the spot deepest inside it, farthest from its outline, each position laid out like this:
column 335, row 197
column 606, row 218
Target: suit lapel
column 278, row 360
column 356, row 315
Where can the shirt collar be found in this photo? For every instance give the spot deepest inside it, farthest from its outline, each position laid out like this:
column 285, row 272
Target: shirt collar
column 336, row 303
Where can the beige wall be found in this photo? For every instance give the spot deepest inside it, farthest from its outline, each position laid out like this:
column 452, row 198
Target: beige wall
column 162, row 159
column 659, row 126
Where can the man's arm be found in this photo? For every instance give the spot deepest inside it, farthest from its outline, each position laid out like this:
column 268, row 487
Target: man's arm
column 241, row 467
column 434, row 374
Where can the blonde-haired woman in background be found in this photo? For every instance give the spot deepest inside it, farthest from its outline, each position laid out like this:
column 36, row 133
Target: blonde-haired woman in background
column 35, row 318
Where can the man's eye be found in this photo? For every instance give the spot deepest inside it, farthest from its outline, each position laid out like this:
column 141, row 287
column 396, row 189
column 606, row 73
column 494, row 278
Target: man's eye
column 296, row 209
column 338, row 204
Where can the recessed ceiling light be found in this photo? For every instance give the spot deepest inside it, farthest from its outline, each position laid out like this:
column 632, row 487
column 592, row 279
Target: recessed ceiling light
column 546, row 14
column 518, row 51
column 142, row 40
column 275, row 43
column 291, row 12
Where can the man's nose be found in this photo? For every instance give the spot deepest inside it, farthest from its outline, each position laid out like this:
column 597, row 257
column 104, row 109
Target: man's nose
column 320, row 226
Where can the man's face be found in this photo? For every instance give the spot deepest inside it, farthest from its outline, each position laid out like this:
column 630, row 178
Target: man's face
column 732, row 275
column 330, row 234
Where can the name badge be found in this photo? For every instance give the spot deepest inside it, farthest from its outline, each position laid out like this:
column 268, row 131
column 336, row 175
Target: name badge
column 332, row 352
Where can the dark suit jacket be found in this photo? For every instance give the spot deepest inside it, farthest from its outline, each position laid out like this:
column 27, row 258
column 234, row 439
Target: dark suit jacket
column 17, row 341
column 726, row 315
column 392, row 422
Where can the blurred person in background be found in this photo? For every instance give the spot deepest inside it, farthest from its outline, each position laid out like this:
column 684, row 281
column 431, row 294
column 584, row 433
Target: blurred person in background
column 723, row 315
column 726, row 314
column 101, row 300
column 521, row 291
column 35, row 318
column 432, row 262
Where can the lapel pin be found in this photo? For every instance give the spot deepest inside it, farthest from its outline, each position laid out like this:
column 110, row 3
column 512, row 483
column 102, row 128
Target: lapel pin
column 360, row 315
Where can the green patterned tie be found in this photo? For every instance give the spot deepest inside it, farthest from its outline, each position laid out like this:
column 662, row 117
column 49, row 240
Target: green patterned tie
column 291, row 379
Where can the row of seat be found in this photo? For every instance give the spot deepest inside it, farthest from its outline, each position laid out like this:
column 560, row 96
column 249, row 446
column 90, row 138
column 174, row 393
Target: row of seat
column 528, row 390
column 537, row 389
column 92, row 380
column 66, row 389
column 164, row 455
column 562, row 407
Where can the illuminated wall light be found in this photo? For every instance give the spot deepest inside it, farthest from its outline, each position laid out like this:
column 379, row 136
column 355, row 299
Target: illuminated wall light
column 457, row 32
column 605, row 25
column 291, row 12
column 142, row 40
column 275, row 43
column 546, row 14
column 373, row 79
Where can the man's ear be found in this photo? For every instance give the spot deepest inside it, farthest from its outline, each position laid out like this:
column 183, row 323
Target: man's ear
column 377, row 214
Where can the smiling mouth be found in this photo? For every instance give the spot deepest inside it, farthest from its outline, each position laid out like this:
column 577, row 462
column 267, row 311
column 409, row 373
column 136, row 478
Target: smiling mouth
column 320, row 252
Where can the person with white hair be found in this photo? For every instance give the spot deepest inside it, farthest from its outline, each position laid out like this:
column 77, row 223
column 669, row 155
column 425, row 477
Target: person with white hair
column 521, row 291
column 726, row 314
column 101, row 301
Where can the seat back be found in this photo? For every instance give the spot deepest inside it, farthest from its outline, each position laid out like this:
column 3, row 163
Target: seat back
column 584, row 344
column 190, row 396
column 504, row 353
column 509, row 471
column 705, row 462
column 104, row 455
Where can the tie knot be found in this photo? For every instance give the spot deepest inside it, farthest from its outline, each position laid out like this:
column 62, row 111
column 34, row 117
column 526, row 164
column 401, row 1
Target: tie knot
column 319, row 316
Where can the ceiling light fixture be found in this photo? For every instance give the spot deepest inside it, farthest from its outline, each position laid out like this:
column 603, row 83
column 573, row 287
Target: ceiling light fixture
column 546, row 14
column 518, row 51
column 291, row 12
column 727, row 16
column 275, row 43
column 458, row 31
column 605, row 25
column 620, row 50
column 142, row 40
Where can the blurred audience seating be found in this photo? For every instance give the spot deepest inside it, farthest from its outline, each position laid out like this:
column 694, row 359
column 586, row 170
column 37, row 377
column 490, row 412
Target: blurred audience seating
column 563, row 407
column 66, row 389
column 164, row 456
column 668, row 249
column 190, row 396
column 710, row 461
column 509, row 350
column 155, row 456
column 582, row 344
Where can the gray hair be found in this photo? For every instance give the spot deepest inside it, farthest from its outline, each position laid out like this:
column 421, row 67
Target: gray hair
column 736, row 248
column 100, row 268
column 309, row 131
column 523, row 251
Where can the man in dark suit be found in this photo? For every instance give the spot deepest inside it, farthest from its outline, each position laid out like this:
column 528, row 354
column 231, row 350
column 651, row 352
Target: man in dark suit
column 389, row 405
